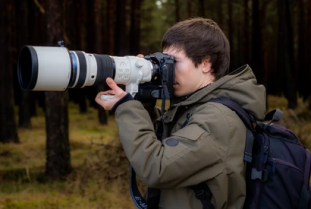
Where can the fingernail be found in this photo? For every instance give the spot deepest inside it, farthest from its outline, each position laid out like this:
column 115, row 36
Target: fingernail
column 109, row 79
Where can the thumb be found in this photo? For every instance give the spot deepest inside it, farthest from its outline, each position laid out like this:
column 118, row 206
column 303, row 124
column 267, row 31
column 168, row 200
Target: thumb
column 110, row 82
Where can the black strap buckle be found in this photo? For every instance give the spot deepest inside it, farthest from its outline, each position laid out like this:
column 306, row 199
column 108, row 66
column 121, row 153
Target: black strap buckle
column 200, row 194
column 204, row 194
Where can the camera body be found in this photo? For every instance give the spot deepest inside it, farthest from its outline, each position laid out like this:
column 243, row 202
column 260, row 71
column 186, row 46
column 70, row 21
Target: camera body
column 57, row 68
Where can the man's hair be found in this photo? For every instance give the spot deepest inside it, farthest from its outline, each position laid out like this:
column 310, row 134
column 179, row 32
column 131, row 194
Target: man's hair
column 200, row 38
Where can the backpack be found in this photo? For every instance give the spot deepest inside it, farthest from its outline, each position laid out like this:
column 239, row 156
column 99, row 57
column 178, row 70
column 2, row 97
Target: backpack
column 277, row 170
column 278, row 165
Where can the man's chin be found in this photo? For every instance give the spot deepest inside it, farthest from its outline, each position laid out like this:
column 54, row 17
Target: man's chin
column 178, row 94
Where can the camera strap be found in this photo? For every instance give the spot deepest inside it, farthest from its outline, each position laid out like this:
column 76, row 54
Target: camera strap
column 153, row 195
column 137, row 198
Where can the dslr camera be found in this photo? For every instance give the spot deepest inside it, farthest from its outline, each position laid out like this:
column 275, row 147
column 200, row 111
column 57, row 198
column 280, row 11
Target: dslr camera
column 56, row 69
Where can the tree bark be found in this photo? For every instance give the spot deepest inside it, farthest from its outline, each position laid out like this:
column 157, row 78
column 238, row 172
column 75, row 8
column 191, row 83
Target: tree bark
column 95, row 38
column 286, row 56
column 177, row 14
column 304, row 74
column 230, row 37
column 24, row 112
column 135, row 27
column 190, row 9
column 257, row 44
column 56, row 113
column 109, row 40
column 308, row 53
column 120, row 35
column 8, row 130
column 202, row 8
column 220, row 13
column 246, row 33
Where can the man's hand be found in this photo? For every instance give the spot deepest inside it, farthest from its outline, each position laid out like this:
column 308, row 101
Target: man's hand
column 118, row 93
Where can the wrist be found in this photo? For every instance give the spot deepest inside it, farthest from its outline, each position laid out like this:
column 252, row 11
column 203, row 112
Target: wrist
column 124, row 99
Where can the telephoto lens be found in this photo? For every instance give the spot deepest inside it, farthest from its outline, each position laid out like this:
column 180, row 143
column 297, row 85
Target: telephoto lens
column 56, row 69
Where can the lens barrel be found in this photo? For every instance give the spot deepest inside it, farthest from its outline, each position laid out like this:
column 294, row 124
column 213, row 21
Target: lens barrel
column 56, row 68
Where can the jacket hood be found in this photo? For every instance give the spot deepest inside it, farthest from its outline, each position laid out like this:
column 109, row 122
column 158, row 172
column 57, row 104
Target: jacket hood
column 240, row 86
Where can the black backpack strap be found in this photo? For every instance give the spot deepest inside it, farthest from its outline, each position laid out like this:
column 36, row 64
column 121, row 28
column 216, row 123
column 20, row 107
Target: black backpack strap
column 247, row 119
column 153, row 198
column 204, row 194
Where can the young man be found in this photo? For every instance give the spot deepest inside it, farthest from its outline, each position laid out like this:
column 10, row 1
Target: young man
column 209, row 148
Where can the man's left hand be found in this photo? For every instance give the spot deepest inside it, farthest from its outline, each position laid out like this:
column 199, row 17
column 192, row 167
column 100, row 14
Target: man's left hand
column 118, row 93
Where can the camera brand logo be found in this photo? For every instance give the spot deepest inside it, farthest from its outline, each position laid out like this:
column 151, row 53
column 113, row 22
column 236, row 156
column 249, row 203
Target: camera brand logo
column 141, row 204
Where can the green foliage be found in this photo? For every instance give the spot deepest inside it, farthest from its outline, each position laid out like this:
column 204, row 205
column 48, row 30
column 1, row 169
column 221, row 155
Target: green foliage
column 155, row 20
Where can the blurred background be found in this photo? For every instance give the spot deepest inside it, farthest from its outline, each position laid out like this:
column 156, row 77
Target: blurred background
column 60, row 150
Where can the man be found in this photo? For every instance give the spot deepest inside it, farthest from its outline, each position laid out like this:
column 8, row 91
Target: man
column 203, row 141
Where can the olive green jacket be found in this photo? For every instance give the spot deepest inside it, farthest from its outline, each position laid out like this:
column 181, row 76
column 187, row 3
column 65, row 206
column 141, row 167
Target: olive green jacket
column 210, row 148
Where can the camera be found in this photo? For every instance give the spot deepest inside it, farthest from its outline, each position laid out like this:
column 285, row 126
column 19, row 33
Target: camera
column 43, row 68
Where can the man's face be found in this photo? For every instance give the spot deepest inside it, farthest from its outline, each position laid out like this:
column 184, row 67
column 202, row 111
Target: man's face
column 188, row 78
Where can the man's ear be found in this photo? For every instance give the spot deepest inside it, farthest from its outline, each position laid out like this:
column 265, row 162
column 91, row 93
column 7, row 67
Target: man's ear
column 206, row 65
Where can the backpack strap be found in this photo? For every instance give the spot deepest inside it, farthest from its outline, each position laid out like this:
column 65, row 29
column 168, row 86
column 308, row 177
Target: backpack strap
column 273, row 116
column 203, row 193
column 246, row 118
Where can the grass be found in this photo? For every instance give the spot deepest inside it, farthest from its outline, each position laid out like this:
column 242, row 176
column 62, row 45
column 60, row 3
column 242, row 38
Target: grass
column 100, row 170
column 298, row 120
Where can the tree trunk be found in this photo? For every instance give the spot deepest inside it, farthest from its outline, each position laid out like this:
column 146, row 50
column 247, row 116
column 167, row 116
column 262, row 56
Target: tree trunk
column 257, row 52
column 8, row 130
column 120, row 35
column 135, row 27
column 202, row 8
column 177, row 14
column 220, row 13
column 109, row 40
column 246, row 33
column 286, row 56
column 95, row 38
column 56, row 112
column 304, row 75
column 308, row 53
column 190, row 9
column 24, row 112
column 230, row 36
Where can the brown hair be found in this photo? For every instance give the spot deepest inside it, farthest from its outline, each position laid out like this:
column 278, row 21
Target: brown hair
column 200, row 38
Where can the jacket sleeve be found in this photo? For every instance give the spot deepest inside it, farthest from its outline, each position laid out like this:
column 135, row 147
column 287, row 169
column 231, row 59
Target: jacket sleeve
column 180, row 160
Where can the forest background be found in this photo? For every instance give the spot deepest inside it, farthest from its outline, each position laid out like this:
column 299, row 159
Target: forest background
column 60, row 150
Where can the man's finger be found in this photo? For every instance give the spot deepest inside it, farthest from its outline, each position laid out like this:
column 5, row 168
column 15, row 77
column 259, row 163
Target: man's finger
column 110, row 82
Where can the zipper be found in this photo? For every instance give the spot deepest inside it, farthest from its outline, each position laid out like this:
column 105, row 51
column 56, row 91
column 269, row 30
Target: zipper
column 274, row 161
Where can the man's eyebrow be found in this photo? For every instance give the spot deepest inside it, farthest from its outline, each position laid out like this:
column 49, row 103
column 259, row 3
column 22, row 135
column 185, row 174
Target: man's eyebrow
column 177, row 56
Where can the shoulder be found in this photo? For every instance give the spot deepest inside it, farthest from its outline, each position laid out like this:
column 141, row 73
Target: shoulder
column 217, row 119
